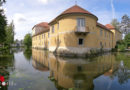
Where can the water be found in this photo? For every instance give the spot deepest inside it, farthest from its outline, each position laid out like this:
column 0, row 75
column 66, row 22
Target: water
column 41, row 70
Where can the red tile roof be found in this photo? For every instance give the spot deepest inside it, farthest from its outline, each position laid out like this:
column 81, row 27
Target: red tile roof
column 74, row 9
column 102, row 26
column 42, row 24
column 110, row 26
column 46, row 28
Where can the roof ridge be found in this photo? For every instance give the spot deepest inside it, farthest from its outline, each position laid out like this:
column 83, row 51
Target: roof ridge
column 74, row 9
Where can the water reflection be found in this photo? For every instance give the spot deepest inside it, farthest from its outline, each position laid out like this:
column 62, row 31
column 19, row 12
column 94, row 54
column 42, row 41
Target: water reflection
column 44, row 71
column 28, row 54
column 78, row 74
column 6, row 65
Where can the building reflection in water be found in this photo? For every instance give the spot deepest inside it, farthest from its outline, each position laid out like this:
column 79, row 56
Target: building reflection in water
column 40, row 60
column 74, row 73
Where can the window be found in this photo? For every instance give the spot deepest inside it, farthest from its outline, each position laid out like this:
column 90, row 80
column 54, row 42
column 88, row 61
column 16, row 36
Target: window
column 105, row 44
column 80, row 41
column 105, row 33
column 48, row 34
column 80, row 22
column 42, row 36
column 101, row 45
column 100, row 32
column 58, row 26
column 53, row 29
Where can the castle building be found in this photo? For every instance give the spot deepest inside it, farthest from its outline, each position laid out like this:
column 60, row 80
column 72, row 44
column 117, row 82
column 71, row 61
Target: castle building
column 76, row 31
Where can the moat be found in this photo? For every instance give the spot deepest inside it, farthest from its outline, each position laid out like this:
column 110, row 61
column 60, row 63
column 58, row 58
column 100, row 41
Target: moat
column 41, row 70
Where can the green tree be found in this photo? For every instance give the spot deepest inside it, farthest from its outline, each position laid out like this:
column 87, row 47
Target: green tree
column 2, row 1
column 125, row 24
column 3, row 24
column 28, row 40
column 120, row 45
column 115, row 23
column 127, row 40
column 10, row 33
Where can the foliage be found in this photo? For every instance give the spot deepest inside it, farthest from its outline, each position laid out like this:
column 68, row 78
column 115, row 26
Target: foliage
column 127, row 40
column 125, row 24
column 123, row 44
column 120, row 45
column 115, row 23
column 10, row 33
column 2, row 1
column 3, row 24
column 28, row 40
column 125, row 57
column 28, row 54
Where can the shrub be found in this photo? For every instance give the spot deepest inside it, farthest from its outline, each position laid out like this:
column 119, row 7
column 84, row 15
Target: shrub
column 120, row 45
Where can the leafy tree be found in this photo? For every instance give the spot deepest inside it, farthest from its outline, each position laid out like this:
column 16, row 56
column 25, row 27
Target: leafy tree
column 120, row 45
column 115, row 23
column 3, row 24
column 2, row 1
column 127, row 40
column 28, row 40
column 10, row 33
column 125, row 24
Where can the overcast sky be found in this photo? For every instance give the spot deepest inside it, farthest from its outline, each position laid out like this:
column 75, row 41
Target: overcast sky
column 27, row 13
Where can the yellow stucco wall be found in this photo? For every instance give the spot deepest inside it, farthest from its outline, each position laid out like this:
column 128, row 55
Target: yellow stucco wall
column 65, row 35
column 41, row 40
column 116, row 36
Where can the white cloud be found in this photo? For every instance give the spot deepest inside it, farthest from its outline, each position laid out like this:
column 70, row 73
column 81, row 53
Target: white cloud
column 104, row 17
column 22, row 4
column 20, row 23
column 18, row 17
column 45, row 1
column 113, row 9
column 31, row 12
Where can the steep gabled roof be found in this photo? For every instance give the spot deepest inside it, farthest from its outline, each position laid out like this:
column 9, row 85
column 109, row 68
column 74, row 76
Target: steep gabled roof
column 109, row 26
column 74, row 9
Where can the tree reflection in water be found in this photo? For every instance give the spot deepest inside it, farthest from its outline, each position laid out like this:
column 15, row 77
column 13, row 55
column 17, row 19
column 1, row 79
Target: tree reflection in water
column 28, row 54
column 6, row 66
column 123, row 74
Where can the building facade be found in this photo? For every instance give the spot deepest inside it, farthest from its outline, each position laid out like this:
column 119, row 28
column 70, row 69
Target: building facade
column 76, row 31
column 40, row 34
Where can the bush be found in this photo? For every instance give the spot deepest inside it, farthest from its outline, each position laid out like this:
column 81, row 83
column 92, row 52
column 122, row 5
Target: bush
column 127, row 40
column 120, row 45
